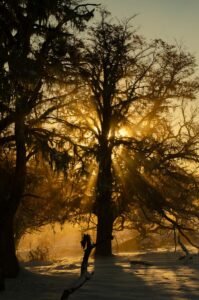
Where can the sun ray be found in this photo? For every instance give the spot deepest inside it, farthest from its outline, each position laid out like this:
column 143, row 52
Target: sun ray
column 118, row 169
column 91, row 182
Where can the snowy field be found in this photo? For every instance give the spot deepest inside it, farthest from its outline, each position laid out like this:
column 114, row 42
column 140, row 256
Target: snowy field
column 114, row 278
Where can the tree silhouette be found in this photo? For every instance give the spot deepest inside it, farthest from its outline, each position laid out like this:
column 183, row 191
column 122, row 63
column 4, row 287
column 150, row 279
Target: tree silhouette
column 129, row 85
column 36, row 45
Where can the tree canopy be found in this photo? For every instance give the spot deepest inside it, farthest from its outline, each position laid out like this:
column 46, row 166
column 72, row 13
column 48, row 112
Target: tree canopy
column 121, row 119
column 37, row 44
column 100, row 107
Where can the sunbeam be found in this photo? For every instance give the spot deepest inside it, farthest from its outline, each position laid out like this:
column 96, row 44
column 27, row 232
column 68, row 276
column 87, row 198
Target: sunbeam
column 89, row 192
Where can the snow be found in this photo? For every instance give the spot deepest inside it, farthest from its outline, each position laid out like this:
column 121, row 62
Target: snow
column 114, row 278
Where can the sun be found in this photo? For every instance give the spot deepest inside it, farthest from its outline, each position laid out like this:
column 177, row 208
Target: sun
column 123, row 132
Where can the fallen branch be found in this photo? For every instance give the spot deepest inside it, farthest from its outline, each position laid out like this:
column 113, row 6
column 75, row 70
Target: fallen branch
column 80, row 282
column 87, row 246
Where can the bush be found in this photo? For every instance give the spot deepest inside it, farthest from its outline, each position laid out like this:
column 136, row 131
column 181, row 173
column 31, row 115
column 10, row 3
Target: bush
column 39, row 254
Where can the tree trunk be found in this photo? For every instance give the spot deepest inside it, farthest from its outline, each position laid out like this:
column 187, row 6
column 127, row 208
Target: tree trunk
column 104, row 205
column 104, row 234
column 8, row 260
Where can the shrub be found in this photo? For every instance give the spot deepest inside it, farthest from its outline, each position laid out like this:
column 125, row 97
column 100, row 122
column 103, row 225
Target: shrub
column 39, row 254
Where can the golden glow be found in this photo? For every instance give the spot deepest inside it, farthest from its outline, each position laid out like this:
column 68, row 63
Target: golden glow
column 53, row 237
column 118, row 169
column 123, row 132
column 91, row 182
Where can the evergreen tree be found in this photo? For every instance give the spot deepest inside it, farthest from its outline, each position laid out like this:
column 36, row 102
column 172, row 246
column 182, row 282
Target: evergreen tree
column 37, row 43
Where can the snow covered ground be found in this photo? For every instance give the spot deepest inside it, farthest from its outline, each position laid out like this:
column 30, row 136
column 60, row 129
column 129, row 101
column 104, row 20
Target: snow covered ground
column 114, row 278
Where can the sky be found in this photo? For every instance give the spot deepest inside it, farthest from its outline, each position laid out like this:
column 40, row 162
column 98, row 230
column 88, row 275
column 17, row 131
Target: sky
column 171, row 20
